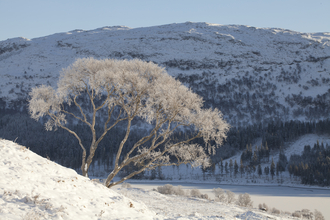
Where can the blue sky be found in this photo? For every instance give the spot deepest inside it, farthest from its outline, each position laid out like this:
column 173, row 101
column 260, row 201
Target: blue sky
column 36, row 18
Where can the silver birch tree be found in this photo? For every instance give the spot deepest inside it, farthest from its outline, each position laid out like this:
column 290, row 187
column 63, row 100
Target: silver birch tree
column 120, row 91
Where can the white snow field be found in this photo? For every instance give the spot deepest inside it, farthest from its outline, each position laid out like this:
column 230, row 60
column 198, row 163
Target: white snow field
column 32, row 187
column 286, row 199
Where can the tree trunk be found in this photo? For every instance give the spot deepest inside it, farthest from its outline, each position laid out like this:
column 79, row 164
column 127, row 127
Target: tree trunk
column 84, row 169
column 83, row 164
column 110, row 177
column 86, row 163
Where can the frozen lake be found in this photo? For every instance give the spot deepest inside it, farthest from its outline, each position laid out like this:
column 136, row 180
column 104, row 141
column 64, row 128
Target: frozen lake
column 281, row 197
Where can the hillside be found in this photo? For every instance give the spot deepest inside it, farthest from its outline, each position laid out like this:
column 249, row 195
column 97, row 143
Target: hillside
column 35, row 188
column 251, row 74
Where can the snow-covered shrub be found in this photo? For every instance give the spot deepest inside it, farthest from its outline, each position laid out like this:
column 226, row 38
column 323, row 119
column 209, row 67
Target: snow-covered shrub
column 306, row 214
column 205, row 196
column 166, row 189
column 230, row 197
column 169, row 189
column 126, row 185
column 318, row 215
column 296, row 214
column 195, row 193
column 219, row 194
column 244, row 200
column 287, row 213
column 263, row 207
column 275, row 211
column 179, row 191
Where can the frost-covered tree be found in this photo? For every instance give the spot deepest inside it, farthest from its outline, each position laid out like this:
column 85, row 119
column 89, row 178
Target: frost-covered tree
column 219, row 194
column 230, row 197
column 318, row 215
column 120, row 91
column 244, row 200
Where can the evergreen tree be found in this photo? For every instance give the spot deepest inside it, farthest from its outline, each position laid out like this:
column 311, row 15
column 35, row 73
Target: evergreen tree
column 290, row 170
column 255, row 159
column 241, row 168
column 266, row 170
column 235, row 168
column 221, row 166
column 272, row 169
column 267, row 152
column 248, row 170
column 226, row 168
column 261, row 152
column 259, row 170
column 282, row 161
column 231, row 167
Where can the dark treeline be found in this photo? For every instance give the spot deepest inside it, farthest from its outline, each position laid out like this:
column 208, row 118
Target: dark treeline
column 313, row 165
column 273, row 135
column 62, row 147
column 59, row 145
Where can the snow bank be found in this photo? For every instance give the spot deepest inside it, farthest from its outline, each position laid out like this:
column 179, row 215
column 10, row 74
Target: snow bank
column 32, row 187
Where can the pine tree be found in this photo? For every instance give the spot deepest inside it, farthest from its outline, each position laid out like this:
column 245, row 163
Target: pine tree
column 267, row 152
column 231, row 166
column 261, row 153
column 226, row 168
column 290, row 170
column 272, row 169
column 255, row 159
column 221, row 166
column 282, row 161
column 266, row 170
column 259, row 170
column 241, row 168
column 235, row 168
column 248, row 170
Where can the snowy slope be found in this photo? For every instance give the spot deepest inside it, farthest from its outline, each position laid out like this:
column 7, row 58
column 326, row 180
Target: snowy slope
column 250, row 73
column 33, row 187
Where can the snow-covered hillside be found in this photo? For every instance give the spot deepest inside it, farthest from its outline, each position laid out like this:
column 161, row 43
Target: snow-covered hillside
column 251, row 74
column 33, row 187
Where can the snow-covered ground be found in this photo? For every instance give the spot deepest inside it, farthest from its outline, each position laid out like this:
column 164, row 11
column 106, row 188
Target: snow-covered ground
column 286, row 199
column 33, row 187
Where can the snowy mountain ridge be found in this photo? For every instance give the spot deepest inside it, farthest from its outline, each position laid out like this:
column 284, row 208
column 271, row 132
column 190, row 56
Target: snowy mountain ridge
column 251, row 74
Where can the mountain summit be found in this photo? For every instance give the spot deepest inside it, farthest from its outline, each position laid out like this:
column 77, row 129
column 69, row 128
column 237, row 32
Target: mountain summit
column 250, row 74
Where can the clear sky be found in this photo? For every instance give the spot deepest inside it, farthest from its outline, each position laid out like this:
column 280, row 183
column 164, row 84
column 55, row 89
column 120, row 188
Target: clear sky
column 37, row 18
